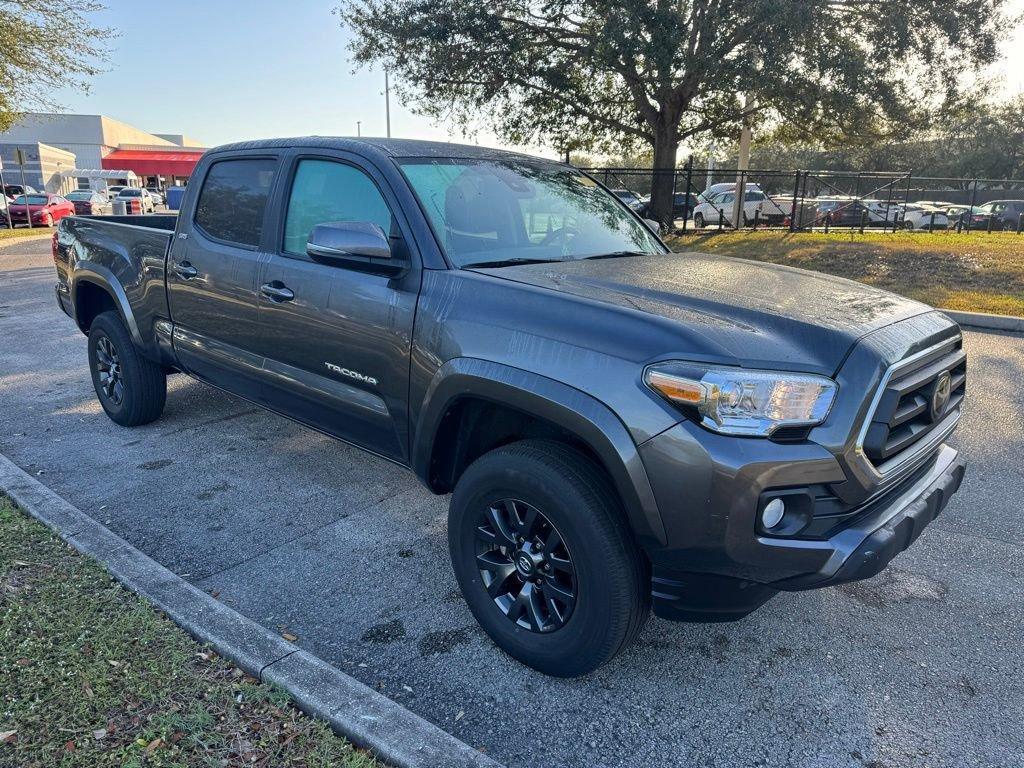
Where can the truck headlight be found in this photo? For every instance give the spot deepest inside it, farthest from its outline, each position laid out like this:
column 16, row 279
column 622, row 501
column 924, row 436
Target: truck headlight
column 736, row 401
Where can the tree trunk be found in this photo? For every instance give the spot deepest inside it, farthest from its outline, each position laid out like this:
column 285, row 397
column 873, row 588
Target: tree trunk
column 666, row 144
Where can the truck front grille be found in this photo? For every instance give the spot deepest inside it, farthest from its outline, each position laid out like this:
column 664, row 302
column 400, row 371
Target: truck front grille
column 916, row 395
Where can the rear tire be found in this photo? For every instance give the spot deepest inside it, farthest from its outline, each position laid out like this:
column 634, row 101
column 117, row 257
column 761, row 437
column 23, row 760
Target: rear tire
column 698, row 220
column 131, row 389
column 594, row 560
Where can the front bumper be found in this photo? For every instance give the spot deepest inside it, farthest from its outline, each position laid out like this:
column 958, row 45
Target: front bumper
column 868, row 545
column 717, row 566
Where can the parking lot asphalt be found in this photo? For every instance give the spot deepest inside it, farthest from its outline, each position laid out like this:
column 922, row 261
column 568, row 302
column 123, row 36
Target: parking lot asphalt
column 921, row 666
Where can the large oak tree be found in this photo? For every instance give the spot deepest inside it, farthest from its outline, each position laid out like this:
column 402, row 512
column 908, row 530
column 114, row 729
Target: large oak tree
column 615, row 75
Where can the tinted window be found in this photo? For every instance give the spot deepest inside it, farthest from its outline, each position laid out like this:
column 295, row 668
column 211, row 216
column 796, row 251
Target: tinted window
column 234, row 198
column 327, row 191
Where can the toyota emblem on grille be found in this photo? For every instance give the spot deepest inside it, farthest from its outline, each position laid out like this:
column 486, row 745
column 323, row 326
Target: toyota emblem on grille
column 940, row 396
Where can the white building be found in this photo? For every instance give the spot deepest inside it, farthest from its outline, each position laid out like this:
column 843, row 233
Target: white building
column 91, row 138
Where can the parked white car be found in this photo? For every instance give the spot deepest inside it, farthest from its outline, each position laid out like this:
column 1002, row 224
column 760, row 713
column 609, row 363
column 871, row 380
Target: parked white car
column 718, row 206
column 134, row 193
column 920, row 217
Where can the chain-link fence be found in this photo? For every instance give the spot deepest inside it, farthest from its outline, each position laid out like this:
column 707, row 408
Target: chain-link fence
column 731, row 199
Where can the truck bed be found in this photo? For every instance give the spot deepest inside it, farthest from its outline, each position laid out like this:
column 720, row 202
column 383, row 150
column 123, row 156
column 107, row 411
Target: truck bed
column 166, row 221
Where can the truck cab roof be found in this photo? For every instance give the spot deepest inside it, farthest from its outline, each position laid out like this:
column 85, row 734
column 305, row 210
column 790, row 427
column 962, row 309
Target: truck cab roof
column 393, row 148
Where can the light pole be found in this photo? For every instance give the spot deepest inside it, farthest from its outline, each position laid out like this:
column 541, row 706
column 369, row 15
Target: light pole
column 387, row 103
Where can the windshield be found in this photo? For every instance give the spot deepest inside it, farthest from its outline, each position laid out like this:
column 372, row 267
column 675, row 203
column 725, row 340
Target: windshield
column 490, row 211
column 130, row 193
column 32, row 199
column 79, row 195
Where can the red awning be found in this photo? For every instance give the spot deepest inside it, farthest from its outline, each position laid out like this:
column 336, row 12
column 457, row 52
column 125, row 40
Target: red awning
column 147, row 162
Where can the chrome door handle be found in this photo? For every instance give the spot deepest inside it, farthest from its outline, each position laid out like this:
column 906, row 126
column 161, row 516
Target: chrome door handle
column 276, row 291
column 185, row 270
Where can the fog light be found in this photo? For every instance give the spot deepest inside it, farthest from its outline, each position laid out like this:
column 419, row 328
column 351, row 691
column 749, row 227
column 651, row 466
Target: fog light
column 772, row 513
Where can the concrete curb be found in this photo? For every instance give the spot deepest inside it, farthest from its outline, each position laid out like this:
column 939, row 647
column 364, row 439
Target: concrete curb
column 363, row 716
column 986, row 321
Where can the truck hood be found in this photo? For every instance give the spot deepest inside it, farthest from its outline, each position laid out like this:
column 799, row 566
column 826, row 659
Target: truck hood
column 737, row 311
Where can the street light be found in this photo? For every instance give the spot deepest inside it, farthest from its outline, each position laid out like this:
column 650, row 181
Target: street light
column 387, row 103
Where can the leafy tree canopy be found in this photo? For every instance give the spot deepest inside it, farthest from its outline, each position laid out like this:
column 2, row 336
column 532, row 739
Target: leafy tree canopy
column 976, row 140
column 45, row 45
column 618, row 75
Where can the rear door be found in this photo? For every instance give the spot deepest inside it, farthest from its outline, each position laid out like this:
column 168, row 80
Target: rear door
column 213, row 269
column 336, row 339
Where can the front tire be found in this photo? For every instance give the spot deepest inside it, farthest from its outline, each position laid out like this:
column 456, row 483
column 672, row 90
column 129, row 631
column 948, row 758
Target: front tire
column 131, row 389
column 545, row 560
column 698, row 220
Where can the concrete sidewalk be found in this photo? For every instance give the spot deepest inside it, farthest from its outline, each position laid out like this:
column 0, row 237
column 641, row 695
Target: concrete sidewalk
column 920, row 666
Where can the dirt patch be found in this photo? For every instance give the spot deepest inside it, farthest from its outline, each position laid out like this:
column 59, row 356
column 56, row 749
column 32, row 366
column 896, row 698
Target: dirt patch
column 443, row 642
column 384, row 634
column 895, row 586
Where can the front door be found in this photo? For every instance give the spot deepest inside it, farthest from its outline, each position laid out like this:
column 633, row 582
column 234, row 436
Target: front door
column 213, row 272
column 336, row 340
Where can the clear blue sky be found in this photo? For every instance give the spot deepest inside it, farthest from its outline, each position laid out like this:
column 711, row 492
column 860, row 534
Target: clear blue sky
column 227, row 70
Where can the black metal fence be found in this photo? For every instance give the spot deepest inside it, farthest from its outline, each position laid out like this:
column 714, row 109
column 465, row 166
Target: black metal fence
column 797, row 200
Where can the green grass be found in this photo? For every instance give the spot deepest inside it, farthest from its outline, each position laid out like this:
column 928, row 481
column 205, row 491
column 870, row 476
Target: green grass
column 14, row 234
column 975, row 272
column 91, row 675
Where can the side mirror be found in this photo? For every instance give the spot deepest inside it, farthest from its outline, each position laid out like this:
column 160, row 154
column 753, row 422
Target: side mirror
column 654, row 225
column 357, row 244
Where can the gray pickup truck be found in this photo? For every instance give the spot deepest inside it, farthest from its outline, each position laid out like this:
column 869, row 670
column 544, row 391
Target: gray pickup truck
column 620, row 427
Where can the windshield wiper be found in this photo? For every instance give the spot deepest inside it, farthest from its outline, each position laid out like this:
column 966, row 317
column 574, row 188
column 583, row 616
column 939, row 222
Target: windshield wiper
column 509, row 262
column 618, row 254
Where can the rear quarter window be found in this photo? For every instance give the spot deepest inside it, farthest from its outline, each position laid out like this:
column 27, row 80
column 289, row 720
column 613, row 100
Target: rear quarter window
column 233, row 200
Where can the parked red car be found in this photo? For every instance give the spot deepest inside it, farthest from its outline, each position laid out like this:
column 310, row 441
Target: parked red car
column 46, row 210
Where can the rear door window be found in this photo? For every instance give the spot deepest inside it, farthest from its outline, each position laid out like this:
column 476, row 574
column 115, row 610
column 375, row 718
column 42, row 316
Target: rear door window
column 233, row 200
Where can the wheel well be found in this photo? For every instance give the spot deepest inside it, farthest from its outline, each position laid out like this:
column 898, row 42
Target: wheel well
column 90, row 301
column 471, row 427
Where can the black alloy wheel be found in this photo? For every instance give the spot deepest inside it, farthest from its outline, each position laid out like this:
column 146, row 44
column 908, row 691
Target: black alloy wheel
column 108, row 370
column 131, row 389
column 544, row 557
column 525, row 566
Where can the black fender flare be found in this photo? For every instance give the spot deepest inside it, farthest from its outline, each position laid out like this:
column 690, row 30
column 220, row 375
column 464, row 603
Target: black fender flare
column 101, row 276
column 569, row 408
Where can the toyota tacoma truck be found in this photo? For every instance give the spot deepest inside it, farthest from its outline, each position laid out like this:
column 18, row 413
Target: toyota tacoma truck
column 621, row 428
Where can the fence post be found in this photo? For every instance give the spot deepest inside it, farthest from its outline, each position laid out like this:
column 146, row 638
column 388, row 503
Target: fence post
column 931, row 223
column 686, row 192
column 796, row 194
column 863, row 220
column 974, row 199
column 721, row 219
column 988, row 228
column 757, row 215
column 1020, row 222
column 960, row 223
column 828, row 221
